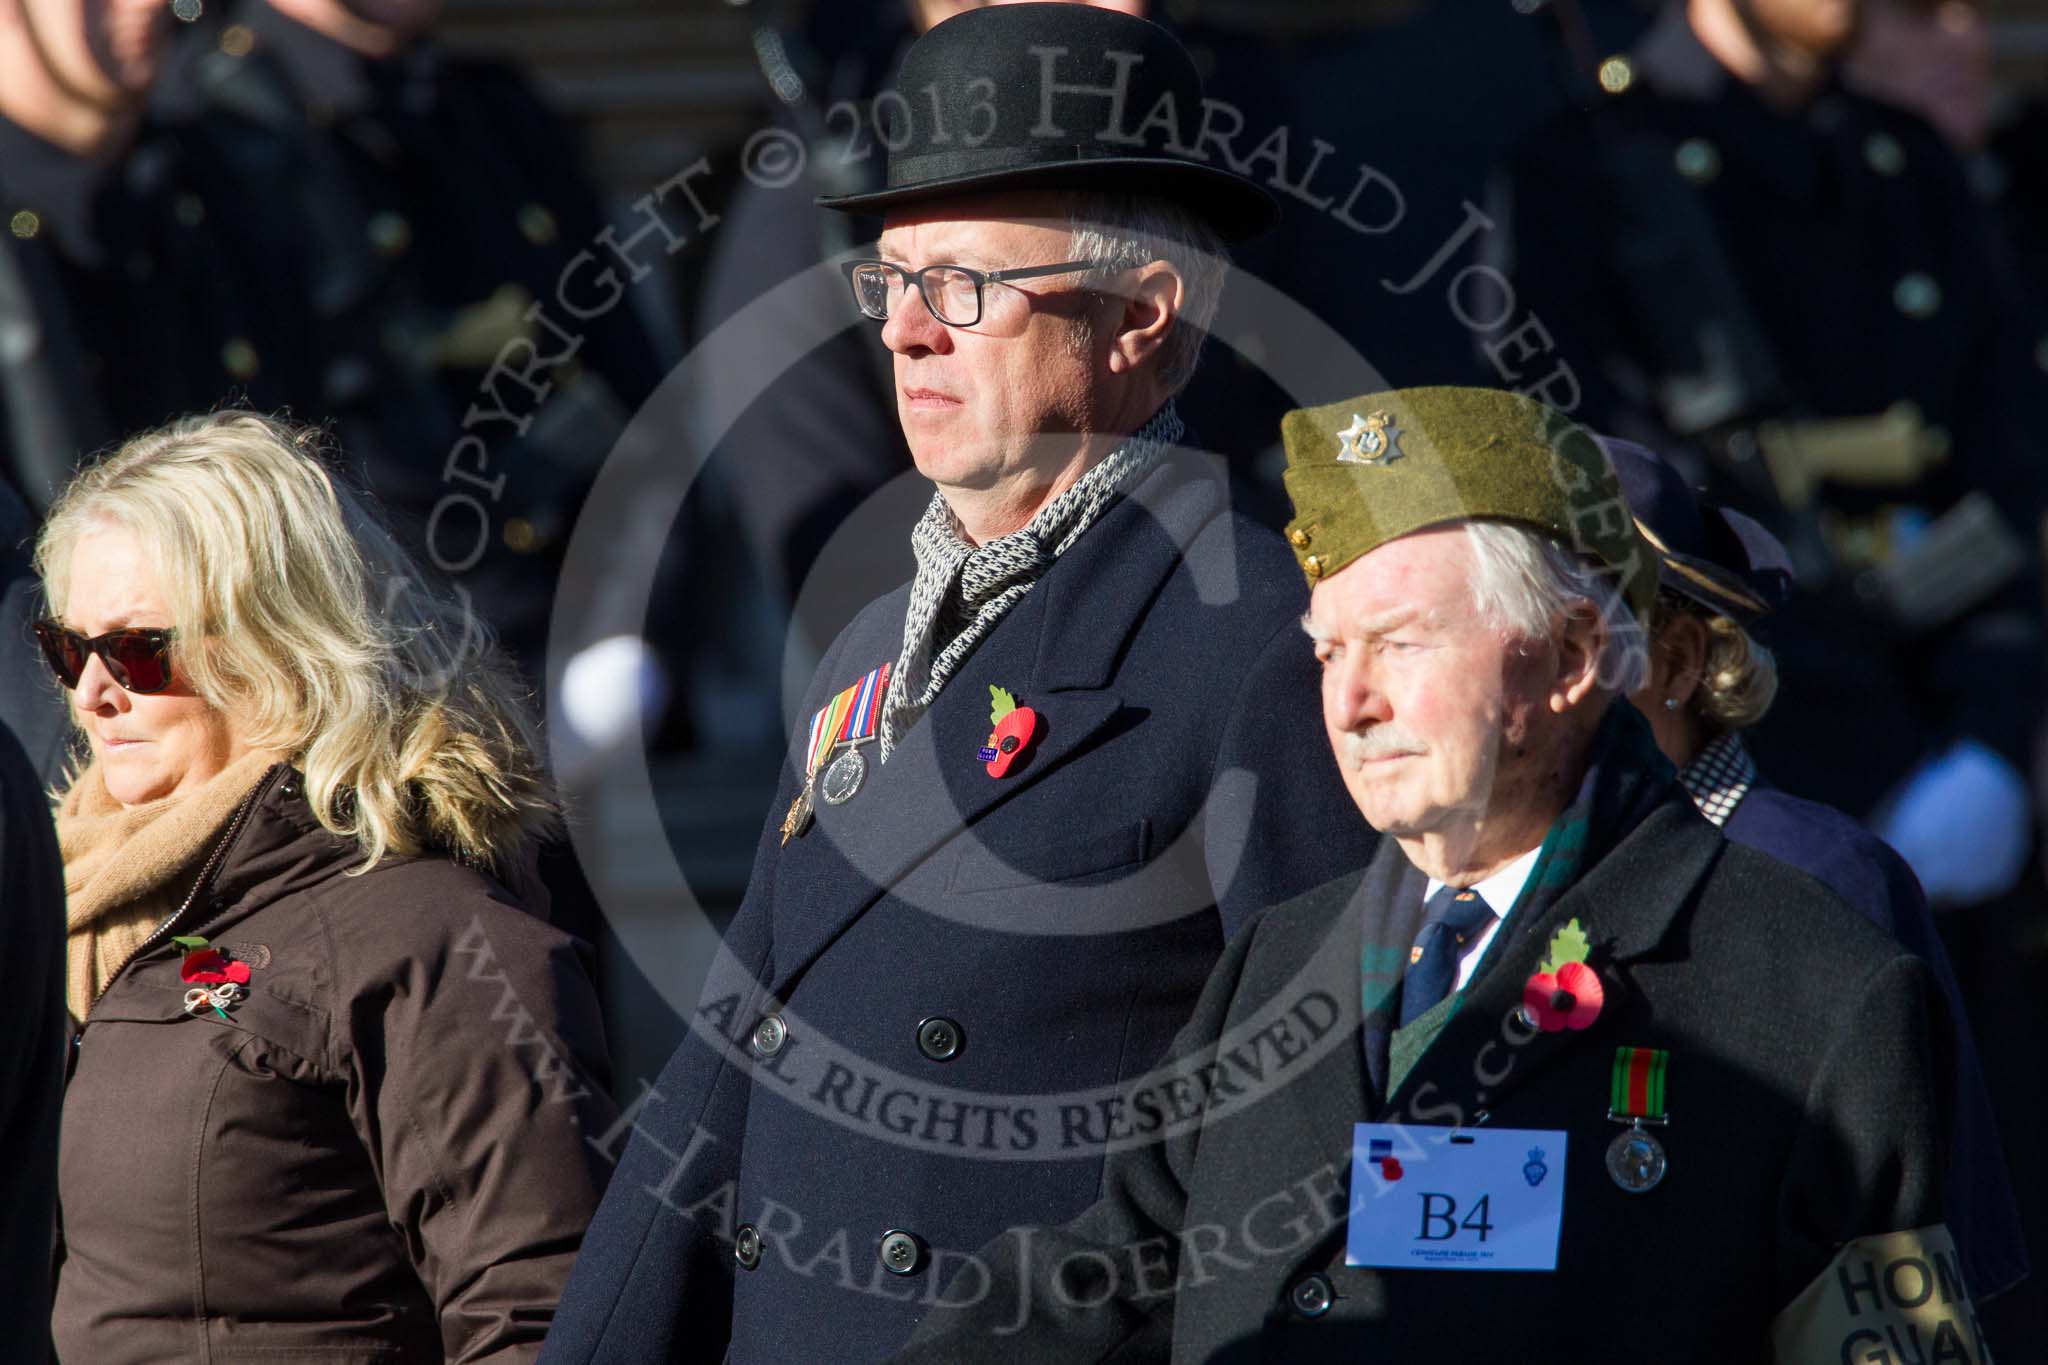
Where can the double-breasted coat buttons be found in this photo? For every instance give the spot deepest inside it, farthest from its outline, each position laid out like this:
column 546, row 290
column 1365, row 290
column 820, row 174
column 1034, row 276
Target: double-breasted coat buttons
column 901, row 1252
column 940, row 1039
column 769, row 1035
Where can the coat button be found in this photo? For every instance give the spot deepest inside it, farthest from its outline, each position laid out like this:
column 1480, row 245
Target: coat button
column 1298, row 538
column 769, row 1035
column 1697, row 160
column 746, row 1246
column 940, row 1039
column 238, row 356
column 901, row 1252
column 1884, row 154
column 390, row 233
column 1917, row 295
column 1311, row 1297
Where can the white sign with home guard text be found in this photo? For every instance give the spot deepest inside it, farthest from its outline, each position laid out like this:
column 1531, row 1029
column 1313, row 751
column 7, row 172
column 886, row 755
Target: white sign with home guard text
column 1455, row 1199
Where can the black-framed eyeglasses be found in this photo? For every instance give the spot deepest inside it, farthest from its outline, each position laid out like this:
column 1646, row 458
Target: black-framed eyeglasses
column 138, row 658
column 952, row 292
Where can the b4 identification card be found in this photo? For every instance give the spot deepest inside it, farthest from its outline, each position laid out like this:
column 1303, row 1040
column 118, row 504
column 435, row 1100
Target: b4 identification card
column 1455, row 1199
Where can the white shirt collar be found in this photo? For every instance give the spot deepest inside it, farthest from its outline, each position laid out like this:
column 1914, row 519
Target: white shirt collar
column 1503, row 888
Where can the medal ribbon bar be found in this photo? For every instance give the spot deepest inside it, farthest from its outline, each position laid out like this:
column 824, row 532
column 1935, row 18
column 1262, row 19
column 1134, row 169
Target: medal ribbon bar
column 848, row 718
column 1638, row 1087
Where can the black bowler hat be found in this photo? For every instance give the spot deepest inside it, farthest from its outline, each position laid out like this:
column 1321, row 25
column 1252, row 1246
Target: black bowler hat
column 1707, row 554
column 1057, row 97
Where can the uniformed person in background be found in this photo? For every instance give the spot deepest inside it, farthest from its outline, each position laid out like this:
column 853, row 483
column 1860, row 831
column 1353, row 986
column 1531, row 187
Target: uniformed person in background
column 413, row 206
column 37, row 717
column 1374, row 181
column 1635, row 1092
column 1719, row 574
column 1788, row 288
column 120, row 303
column 1029, row 793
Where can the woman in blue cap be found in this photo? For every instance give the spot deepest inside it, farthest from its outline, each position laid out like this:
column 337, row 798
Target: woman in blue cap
column 1719, row 573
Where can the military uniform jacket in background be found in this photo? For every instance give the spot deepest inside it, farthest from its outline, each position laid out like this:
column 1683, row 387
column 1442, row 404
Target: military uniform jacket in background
column 409, row 211
column 32, row 705
column 1804, row 1105
column 1707, row 264
column 1876, row 883
column 123, row 306
column 961, row 969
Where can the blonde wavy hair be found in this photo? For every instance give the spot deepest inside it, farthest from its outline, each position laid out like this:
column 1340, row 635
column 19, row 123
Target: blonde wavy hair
column 301, row 617
column 1739, row 679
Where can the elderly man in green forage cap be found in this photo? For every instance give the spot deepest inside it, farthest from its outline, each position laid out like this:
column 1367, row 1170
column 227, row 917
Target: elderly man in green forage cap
column 1558, row 1027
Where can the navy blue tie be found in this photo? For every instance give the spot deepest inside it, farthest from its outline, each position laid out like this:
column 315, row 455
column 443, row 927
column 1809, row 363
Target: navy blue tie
column 1455, row 919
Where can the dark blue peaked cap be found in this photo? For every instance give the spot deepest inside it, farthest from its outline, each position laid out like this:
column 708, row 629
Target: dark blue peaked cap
column 1707, row 554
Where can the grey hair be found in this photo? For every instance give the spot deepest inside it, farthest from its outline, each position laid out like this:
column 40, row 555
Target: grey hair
column 1525, row 583
column 1117, row 232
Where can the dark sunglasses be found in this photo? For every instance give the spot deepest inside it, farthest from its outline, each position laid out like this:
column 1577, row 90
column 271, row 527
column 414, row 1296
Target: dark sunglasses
column 138, row 659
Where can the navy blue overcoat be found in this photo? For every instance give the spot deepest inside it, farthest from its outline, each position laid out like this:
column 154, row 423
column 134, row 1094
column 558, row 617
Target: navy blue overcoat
column 1864, row 871
column 930, row 1003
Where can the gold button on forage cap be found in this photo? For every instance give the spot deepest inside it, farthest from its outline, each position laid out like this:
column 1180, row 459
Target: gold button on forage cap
column 1466, row 454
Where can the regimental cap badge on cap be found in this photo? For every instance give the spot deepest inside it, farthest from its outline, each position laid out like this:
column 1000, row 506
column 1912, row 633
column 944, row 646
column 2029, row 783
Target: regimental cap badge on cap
column 1372, row 469
column 1369, row 440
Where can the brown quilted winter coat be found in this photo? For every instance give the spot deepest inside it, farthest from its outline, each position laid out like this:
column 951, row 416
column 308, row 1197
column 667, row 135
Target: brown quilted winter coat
column 377, row 1155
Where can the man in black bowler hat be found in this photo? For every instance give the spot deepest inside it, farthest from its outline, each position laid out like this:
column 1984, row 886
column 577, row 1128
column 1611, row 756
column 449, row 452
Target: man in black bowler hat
column 1029, row 794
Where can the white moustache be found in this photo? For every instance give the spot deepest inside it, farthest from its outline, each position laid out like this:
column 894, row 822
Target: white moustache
column 1381, row 741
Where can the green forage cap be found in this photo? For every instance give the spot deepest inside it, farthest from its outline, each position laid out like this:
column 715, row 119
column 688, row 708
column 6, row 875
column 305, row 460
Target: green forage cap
column 1372, row 469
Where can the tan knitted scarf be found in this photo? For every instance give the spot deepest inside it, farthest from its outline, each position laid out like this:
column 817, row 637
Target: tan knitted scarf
column 127, row 867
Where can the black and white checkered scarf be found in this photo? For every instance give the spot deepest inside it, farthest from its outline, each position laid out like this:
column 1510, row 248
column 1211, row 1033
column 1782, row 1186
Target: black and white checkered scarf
column 961, row 591
column 1719, row 778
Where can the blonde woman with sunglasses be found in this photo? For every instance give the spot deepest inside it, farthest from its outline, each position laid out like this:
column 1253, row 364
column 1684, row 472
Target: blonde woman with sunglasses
column 330, row 1070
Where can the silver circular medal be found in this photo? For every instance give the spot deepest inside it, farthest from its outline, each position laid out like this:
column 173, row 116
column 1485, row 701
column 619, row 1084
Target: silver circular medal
column 843, row 778
column 1636, row 1161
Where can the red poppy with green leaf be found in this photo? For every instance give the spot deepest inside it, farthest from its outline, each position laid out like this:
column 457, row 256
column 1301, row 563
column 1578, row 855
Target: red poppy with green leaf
column 206, row 965
column 1015, row 727
column 1566, row 993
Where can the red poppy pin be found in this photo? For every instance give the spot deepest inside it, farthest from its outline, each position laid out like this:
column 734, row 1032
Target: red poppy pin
column 1015, row 727
column 217, row 980
column 1566, row 993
